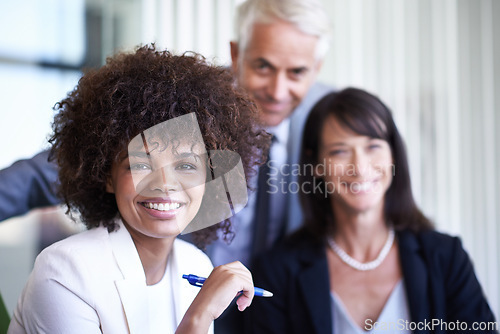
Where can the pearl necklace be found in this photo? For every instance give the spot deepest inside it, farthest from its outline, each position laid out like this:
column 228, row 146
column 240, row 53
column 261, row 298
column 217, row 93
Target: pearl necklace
column 367, row 265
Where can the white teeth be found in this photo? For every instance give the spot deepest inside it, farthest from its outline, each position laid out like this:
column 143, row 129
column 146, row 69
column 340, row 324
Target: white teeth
column 162, row 206
column 365, row 186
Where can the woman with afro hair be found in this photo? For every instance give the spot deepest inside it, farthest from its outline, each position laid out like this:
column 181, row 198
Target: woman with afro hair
column 144, row 146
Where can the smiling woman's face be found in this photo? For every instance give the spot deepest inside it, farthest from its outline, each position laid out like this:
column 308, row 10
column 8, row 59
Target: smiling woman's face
column 358, row 168
column 159, row 188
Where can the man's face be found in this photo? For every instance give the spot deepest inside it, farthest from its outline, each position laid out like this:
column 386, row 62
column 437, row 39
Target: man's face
column 277, row 68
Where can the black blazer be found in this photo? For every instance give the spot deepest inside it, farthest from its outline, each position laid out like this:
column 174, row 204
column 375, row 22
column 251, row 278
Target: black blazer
column 438, row 274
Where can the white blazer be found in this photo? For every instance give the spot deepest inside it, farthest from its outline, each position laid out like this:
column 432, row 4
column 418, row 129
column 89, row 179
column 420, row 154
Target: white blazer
column 94, row 282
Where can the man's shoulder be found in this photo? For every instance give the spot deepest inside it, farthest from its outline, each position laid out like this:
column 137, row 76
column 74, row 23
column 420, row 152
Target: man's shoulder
column 321, row 88
column 317, row 91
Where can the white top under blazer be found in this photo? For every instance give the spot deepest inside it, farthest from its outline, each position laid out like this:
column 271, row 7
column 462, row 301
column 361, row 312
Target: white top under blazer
column 391, row 320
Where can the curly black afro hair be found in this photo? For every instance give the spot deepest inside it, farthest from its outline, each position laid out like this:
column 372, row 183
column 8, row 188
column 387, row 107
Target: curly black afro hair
column 131, row 93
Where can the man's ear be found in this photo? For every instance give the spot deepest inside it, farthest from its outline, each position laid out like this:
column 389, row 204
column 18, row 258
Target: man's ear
column 109, row 185
column 234, row 55
column 318, row 66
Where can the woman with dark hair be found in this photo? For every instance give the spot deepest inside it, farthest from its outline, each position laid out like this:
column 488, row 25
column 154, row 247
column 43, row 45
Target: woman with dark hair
column 142, row 144
column 366, row 259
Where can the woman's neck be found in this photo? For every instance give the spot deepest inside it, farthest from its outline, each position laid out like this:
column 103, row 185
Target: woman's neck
column 360, row 234
column 154, row 254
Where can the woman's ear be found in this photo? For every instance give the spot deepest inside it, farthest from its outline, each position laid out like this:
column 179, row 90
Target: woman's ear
column 109, row 185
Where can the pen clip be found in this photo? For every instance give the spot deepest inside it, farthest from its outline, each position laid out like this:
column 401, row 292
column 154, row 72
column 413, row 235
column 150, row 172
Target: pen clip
column 199, row 284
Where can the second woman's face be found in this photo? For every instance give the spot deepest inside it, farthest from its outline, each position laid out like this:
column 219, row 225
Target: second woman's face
column 357, row 169
column 159, row 192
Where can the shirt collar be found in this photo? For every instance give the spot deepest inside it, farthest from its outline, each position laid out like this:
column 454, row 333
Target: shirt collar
column 280, row 131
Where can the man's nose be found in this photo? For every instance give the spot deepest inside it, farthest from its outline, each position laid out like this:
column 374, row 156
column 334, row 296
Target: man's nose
column 278, row 87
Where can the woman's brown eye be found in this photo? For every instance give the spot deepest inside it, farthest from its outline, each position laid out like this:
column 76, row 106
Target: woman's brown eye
column 140, row 167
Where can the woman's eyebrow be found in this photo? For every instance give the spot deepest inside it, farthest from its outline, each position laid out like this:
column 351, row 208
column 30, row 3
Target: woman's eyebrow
column 334, row 144
column 184, row 155
column 145, row 155
column 138, row 154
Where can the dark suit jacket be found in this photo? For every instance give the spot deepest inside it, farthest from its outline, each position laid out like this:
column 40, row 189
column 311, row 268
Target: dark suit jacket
column 439, row 279
column 27, row 184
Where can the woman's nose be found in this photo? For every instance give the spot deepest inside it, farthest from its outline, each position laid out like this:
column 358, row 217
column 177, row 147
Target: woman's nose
column 164, row 180
column 362, row 164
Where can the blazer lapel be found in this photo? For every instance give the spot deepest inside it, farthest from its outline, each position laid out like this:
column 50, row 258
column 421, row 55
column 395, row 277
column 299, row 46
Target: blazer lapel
column 416, row 277
column 132, row 288
column 315, row 287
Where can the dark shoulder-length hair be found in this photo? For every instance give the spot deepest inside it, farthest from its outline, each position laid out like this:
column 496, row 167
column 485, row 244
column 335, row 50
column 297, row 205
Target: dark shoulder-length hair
column 365, row 114
column 131, row 93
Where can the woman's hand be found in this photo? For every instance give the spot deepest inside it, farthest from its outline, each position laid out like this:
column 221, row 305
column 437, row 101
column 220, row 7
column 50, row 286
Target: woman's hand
column 224, row 284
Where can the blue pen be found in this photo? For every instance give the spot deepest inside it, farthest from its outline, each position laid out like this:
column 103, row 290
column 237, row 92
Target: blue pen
column 198, row 281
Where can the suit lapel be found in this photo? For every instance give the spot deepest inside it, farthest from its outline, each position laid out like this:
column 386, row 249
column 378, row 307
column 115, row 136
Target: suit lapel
column 415, row 275
column 315, row 287
column 132, row 288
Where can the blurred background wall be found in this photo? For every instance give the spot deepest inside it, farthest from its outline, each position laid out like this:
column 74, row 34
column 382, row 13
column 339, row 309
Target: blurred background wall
column 435, row 63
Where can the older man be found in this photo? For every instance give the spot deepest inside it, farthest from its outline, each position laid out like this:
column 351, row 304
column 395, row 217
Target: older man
column 279, row 49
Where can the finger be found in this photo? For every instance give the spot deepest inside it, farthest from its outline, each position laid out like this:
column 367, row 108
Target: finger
column 243, row 302
column 247, row 294
column 231, row 268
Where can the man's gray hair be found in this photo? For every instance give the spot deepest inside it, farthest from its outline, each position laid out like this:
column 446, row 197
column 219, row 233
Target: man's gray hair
column 309, row 16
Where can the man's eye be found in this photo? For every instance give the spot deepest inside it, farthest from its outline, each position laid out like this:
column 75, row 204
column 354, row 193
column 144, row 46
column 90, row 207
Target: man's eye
column 298, row 73
column 262, row 68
